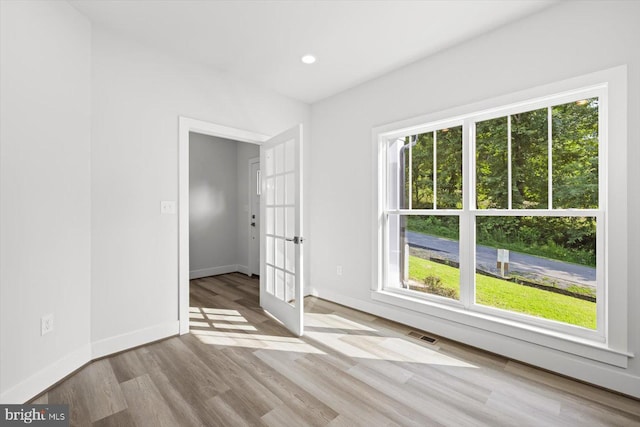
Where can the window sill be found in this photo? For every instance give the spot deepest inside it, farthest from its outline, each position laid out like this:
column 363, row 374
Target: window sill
column 528, row 333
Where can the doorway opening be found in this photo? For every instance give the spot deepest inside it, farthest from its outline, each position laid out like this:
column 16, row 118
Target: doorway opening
column 224, row 206
column 280, row 240
column 188, row 127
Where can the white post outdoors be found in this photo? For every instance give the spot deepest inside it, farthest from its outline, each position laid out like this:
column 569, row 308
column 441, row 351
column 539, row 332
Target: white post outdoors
column 503, row 261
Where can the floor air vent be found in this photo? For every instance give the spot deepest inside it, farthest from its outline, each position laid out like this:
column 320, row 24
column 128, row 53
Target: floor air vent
column 422, row 337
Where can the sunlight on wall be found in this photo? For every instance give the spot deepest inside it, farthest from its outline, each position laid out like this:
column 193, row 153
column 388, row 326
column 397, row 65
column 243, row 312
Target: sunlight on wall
column 205, row 203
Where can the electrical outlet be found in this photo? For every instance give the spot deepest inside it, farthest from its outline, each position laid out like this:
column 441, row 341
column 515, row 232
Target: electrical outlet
column 339, row 270
column 46, row 324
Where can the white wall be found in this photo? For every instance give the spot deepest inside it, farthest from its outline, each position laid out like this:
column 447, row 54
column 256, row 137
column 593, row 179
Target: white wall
column 137, row 96
column 246, row 151
column 45, row 194
column 567, row 40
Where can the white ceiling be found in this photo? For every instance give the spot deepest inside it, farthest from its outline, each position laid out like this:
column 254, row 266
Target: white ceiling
column 262, row 41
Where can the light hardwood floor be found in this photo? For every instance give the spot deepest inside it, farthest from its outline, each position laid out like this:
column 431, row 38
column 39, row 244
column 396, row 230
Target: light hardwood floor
column 240, row 367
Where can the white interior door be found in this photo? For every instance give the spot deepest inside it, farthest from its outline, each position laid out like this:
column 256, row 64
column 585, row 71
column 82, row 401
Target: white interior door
column 254, row 217
column 281, row 207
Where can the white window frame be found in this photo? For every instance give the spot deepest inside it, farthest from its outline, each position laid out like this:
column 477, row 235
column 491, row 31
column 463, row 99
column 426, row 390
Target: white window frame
column 608, row 343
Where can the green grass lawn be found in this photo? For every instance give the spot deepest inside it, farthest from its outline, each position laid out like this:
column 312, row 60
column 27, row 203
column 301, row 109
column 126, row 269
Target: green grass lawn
column 511, row 296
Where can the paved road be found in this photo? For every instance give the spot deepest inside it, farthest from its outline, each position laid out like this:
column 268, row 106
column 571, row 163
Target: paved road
column 525, row 265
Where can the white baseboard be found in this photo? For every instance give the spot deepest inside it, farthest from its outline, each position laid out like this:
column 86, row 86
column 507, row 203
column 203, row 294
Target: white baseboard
column 46, row 377
column 243, row 269
column 129, row 340
column 552, row 360
column 214, row 271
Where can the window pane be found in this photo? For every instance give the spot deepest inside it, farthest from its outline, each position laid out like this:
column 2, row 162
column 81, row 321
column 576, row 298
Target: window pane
column 412, row 167
column 279, row 190
column 398, row 174
column 269, row 272
column 530, row 160
column 549, row 269
column 279, row 284
column 424, row 254
column 492, row 184
column 575, row 155
column 405, row 181
column 449, row 168
column 290, row 289
column 422, row 172
column 279, row 158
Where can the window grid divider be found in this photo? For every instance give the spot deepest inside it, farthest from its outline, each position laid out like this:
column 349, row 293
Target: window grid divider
column 435, row 169
column 467, row 251
column 410, row 191
column 550, row 157
column 509, row 171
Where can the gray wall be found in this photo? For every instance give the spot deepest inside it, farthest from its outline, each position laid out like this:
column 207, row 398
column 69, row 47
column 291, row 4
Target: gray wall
column 218, row 203
column 213, row 205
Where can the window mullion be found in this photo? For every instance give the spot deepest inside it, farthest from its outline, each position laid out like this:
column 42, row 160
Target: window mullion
column 467, row 235
column 550, row 157
column 435, row 170
column 601, row 294
column 410, row 191
column 509, row 185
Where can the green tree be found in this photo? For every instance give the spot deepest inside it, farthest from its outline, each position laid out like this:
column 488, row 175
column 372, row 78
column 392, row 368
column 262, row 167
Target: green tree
column 574, row 159
column 449, row 168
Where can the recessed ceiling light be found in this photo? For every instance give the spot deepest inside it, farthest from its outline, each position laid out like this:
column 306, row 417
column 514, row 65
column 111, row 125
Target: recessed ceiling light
column 308, row 59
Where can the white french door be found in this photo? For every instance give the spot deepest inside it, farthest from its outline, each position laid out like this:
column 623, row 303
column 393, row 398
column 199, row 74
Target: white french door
column 280, row 235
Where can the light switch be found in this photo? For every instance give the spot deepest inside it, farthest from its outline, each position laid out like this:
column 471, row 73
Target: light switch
column 168, row 207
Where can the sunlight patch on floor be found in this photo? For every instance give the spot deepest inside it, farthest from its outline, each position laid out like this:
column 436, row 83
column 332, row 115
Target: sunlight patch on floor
column 257, row 341
column 217, row 326
column 234, row 326
column 228, row 312
column 224, row 317
column 384, row 348
column 334, row 321
column 198, row 324
column 372, row 346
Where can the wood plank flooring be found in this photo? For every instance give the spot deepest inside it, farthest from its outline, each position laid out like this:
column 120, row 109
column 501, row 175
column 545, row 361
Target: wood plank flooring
column 239, row 367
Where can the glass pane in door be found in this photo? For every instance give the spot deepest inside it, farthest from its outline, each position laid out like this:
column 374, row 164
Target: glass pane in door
column 280, row 221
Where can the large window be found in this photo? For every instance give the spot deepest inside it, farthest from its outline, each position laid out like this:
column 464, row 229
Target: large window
column 501, row 212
